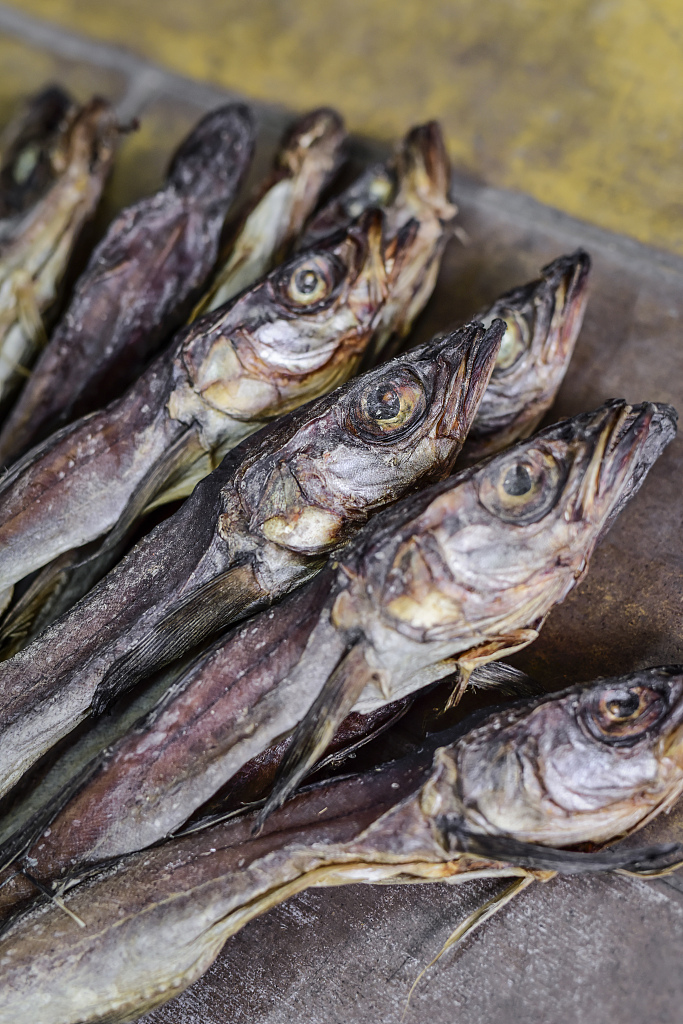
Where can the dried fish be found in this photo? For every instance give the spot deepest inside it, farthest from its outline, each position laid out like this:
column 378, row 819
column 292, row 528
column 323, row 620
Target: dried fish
column 543, row 321
column 295, row 335
column 308, row 156
column 52, row 177
column 413, row 186
column 590, row 762
column 448, row 579
column 259, row 525
column 28, row 147
column 140, row 283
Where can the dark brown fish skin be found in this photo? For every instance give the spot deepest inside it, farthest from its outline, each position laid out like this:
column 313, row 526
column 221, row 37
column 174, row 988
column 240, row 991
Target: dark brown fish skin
column 224, row 377
column 140, row 283
column 409, row 602
column 154, row 921
column 328, row 466
column 31, row 136
column 544, row 319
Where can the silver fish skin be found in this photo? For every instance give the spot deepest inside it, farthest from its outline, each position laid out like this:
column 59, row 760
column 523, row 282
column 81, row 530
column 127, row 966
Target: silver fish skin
column 543, row 320
column 148, row 926
column 38, row 239
column 263, row 522
column 140, row 283
column 307, row 157
column 271, row 350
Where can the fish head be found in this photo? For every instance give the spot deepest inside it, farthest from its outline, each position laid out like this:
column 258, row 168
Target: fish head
column 491, row 550
column 33, row 149
column 543, row 321
column 296, row 334
column 419, row 218
column 314, row 139
column 422, row 171
column 369, row 443
column 589, row 764
column 204, row 164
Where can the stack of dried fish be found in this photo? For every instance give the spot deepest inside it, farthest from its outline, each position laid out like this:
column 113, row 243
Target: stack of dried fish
column 454, row 574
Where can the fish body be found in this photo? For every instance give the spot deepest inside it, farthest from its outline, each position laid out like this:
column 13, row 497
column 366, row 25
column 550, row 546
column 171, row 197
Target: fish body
column 308, row 155
column 224, row 377
column 139, row 285
column 149, row 925
column 454, row 576
column 543, row 321
column 259, row 525
column 61, row 176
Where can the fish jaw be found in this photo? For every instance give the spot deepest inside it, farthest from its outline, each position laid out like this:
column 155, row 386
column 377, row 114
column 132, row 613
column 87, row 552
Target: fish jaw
column 566, row 769
column 544, row 319
column 419, row 220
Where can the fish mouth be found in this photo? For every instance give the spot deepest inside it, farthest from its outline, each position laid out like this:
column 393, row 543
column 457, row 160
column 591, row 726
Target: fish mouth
column 369, row 283
column 551, row 307
column 565, row 281
column 470, row 364
column 624, row 442
column 423, row 168
column 322, row 130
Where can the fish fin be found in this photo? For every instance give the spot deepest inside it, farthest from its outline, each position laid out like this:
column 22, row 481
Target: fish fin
column 506, row 680
column 312, row 735
column 472, row 921
column 644, row 860
column 213, row 606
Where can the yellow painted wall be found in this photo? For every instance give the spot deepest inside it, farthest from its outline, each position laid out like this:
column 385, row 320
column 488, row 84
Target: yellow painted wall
column 577, row 102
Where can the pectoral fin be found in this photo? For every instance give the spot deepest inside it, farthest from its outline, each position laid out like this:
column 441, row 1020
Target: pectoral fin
column 644, row 860
column 314, row 732
column 202, row 614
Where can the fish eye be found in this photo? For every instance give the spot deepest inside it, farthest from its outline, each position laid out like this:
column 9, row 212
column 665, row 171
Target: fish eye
column 389, row 406
column 311, row 282
column 25, row 163
column 515, row 341
column 622, row 715
column 521, row 488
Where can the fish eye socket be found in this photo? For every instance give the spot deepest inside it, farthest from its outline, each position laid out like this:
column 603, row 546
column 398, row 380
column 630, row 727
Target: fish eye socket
column 25, row 163
column 621, row 716
column 515, row 342
column 389, row 406
column 521, row 489
column 311, row 282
